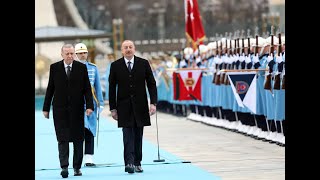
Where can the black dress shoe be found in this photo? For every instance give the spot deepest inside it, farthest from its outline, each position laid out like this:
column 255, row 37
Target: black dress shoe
column 129, row 168
column 64, row 172
column 138, row 169
column 90, row 164
column 77, row 172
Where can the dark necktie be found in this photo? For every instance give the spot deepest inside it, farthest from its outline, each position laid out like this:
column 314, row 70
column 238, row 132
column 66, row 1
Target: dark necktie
column 68, row 71
column 129, row 66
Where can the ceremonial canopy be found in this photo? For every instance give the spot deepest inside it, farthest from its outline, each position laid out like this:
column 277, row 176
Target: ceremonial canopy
column 63, row 33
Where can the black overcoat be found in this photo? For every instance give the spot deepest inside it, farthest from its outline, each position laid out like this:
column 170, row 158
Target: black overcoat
column 68, row 99
column 128, row 92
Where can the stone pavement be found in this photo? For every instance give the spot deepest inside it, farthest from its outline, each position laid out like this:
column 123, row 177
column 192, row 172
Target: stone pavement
column 230, row 155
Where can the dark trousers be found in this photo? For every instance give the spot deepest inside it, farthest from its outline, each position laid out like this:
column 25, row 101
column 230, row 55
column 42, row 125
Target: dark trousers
column 132, row 143
column 88, row 142
column 64, row 154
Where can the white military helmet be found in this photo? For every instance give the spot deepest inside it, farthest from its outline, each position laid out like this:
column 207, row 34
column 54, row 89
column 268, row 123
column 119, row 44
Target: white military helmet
column 188, row 50
column 246, row 42
column 261, row 42
column 212, row 45
column 253, row 41
column 223, row 42
column 80, row 47
column 203, row 48
column 268, row 41
column 232, row 43
column 283, row 40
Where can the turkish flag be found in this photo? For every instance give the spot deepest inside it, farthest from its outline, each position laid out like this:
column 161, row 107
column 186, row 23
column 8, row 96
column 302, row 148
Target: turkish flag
column 194, row 28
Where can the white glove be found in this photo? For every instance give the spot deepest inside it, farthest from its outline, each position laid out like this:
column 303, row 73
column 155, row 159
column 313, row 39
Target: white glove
column 247, row 59
column 241, row 58
column 255, row 59
column 279, row 59
column 270, row 58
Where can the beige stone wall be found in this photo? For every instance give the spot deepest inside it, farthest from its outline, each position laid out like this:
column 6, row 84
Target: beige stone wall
column 45, row 16
column 277, row 2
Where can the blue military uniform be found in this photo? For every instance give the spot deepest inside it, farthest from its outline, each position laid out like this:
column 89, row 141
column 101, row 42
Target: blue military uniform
column 91, row 121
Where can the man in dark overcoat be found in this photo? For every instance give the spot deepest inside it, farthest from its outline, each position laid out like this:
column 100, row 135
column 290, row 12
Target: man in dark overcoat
column 128, row 100
column 68, row 91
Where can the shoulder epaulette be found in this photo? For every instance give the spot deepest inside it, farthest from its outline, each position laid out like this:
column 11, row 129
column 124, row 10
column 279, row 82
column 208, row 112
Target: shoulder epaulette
column 92, row 64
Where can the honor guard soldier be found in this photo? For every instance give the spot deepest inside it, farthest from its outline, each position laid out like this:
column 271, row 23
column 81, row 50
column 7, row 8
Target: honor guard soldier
column 279, row 94
column 272, row 43
column 282, row 140
column 202, row 60
column 259, row 62
column 187, row 57
column 91, row 121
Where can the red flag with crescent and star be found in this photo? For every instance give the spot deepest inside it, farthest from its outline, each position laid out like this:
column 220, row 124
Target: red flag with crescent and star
column 194, row 28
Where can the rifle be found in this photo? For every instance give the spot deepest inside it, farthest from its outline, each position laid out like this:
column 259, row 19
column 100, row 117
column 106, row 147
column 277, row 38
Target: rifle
column 283, row 78
column 234, row 51
column 267, row 84
column 238, row 45
column 222, row 74
column 217, row 65
column 217, row 80
column 256, row 53
column 226, row 80
column 224, row 65
column 256, row 48
column 277, row 80
column 238, row 63
column 215, row 74
column 243, row 63
column 249, row 42
column 242, row 50
column 249, row 64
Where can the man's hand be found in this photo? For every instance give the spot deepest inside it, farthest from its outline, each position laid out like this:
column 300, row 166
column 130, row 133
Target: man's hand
column 114, row 114
column 88, row 112
column 46, row 114
column 152, row 110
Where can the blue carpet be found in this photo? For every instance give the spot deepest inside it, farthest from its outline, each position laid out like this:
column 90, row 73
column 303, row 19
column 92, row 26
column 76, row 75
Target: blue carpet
column 108, row 156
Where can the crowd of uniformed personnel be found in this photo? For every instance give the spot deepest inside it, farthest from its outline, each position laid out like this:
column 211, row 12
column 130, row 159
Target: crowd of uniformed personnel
column 263, row 55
